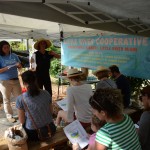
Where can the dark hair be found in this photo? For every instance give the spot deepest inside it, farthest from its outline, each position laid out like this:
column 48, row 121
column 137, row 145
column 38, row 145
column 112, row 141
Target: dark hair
column 97, row 122
column 109, row 100
column 38, row 47
column 29, row 78
column 76, row 78
column 2, row 43
column 146, row 91
column 114, row 68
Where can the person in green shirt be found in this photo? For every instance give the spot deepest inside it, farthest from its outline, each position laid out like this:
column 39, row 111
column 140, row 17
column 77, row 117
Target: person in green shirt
column 119, row 132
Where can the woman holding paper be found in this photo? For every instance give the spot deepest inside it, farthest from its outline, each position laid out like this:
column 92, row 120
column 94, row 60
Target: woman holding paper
column 9, row 83
column 119, row 131
column 78, row 95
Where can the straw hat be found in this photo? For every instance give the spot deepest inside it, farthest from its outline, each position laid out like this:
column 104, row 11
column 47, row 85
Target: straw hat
column 73, row 72
column 48, row 43
column 100, row 69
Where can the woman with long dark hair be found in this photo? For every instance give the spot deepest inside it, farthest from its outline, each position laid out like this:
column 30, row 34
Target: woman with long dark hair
column 35, row 103
column 9, row 83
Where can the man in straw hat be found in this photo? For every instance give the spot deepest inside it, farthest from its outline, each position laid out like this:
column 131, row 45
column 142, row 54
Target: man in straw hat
column 43, row 59
column 78, row 95
column 102, row 74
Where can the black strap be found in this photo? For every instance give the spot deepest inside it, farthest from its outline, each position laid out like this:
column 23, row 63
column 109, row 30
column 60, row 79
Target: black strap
column 35, row 126
column 26, row 107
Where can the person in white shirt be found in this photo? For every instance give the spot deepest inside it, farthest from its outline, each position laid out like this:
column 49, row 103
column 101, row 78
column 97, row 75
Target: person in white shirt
column 78, row 95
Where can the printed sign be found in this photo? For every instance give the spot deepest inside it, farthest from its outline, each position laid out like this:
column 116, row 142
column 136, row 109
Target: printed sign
column 76, row 134
column 130, row 53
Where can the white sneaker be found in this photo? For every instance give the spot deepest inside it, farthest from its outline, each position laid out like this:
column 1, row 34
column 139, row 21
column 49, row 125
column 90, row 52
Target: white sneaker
column 12, row 120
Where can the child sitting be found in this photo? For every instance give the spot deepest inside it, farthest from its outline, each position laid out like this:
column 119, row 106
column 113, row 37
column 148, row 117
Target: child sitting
column 96, row 124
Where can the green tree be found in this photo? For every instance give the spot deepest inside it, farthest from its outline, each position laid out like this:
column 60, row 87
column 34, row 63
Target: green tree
column 136, row 85
column 55, row 63
column 17, row 45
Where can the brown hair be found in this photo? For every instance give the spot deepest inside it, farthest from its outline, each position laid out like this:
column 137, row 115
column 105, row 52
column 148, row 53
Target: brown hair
column 2, row 43
column 109, row 100
column 76, row 78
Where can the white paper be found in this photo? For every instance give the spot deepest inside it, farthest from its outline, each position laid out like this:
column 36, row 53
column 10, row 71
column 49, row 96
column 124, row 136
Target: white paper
column 63, row 104
column 136, row 126
column 10, row 66
column 76, row 134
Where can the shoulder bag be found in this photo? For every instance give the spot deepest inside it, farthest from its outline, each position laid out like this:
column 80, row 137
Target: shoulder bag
column 43, row 133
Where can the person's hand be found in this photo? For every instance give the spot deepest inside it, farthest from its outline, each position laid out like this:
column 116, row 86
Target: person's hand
column 18, row 65
column 54, row 54
column 5, row 68
column 75, row 146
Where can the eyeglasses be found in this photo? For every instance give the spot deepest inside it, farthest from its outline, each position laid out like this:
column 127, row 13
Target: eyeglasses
column 93, row 100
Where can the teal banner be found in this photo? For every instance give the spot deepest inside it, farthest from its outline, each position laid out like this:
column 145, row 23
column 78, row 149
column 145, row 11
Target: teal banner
column 130, row 53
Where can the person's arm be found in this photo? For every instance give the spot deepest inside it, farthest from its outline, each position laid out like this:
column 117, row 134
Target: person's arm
column 102, row 140
column 21, row 116
column 70, row 105
column 3, row 69
column 19, row 66
column 51, row 108
column 20, row 109
column 54, row 54
column 99, row 146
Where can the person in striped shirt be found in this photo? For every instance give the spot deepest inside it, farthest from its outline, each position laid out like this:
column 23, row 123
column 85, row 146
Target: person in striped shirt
column 119, row 132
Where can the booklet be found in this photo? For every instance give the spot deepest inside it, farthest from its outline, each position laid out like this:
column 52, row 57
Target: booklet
column 10, row 66
column 76, row 134
column 63, row 104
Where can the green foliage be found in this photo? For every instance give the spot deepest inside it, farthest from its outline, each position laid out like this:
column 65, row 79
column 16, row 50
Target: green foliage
column 53, row 48
column 17, row 45
column 55, row 67
column 136, row 85
column 55, row 63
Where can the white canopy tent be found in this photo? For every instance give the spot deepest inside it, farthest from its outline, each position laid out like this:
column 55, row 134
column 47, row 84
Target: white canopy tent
column 22, row 27
column 122, row 16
